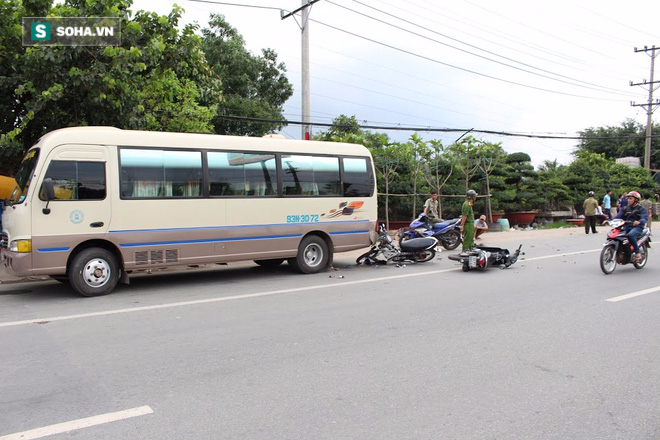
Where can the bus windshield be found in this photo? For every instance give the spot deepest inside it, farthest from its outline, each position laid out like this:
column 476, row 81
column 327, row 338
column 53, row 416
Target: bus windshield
column 24, row 176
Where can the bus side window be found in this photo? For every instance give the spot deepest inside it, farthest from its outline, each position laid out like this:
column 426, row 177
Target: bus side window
column 242, row 174
column 311, row 176
column 77, row 180
column 156, row 173
column 357, row 178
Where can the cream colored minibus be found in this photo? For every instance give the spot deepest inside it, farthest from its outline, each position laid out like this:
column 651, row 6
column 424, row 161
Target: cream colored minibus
column 93, row 204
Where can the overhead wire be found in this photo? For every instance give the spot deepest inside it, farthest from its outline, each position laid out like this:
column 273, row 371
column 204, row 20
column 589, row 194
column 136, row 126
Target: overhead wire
column 585, row 84
column 463, row 69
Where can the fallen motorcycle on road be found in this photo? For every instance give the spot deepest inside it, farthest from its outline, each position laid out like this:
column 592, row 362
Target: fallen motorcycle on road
column 415, row 250
column 483, row 257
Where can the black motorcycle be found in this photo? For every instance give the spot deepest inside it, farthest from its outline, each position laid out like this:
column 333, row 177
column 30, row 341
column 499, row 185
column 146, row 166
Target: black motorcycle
column 483, row 257
column 416, row 250
column 618, row 250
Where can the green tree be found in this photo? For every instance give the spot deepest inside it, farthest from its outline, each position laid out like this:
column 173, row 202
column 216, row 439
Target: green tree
column 526, row 193
column 253, row 86
column 153, row 81
column 387, row 161
column 629, row 139
column 418, row 163
column 438, row 169
column 465, row 155
column 490, row 158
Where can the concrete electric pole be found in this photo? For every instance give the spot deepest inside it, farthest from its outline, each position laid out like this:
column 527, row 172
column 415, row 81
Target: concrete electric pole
column 650, row 105
column 304, row 27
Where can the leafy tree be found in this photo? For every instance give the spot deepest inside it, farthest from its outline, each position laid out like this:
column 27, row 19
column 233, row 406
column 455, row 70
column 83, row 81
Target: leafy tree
column 341, row 127
column 465, row 155
column 387, row 160
column 418, row 162
column 253, row 86
column 438, row 170
column 153, row 81
column 526, row 191
column 491, row 156
column 627, row 140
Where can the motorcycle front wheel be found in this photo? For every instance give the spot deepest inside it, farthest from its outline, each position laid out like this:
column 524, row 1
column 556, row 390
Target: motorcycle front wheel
column 367, row 255
column 608, row 259
column 451, row 240
column 644, row 251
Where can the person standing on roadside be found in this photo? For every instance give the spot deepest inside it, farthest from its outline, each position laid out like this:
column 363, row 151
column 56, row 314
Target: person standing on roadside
column 590, row 206
column 467, row 220
column 648, row 204
column 623, row 201
column 607, row 204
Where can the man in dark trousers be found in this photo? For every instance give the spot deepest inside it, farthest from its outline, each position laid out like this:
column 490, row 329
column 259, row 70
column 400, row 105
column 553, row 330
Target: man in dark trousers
column 590, row 205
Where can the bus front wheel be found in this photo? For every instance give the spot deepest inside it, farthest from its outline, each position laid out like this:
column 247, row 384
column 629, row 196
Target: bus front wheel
column 313, row 255
column 94, row 272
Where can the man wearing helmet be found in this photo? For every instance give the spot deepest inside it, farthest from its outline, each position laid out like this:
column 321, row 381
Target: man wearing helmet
column 636, row 217
column 590, row 205
column 467, row 220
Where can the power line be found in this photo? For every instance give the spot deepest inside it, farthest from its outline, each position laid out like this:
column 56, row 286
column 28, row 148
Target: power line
column 586, row 84
column 237, row 4
column 457, row 67
column 424, row 129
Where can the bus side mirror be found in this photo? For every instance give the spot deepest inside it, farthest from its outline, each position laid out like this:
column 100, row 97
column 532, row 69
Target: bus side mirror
column 49, row 193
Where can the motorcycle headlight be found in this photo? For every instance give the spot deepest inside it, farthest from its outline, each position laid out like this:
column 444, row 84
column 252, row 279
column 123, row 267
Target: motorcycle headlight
column 21, row 246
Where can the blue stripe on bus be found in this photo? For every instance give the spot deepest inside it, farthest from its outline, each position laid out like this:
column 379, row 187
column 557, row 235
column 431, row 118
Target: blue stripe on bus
column 62, row 249
column 350, row 232
column 210, row 240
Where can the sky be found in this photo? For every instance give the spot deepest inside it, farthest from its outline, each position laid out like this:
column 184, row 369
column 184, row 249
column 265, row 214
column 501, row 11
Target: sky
column 506, row 66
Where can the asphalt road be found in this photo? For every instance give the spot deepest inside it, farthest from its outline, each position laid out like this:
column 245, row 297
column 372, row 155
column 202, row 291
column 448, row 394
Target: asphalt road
column 547, row 349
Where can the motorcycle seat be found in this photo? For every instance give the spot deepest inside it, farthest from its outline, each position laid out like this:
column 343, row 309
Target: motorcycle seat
column 417, row 244
column 444, row 224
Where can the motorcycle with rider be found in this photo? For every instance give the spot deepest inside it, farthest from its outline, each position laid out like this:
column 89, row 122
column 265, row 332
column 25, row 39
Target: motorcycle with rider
column 629, row 240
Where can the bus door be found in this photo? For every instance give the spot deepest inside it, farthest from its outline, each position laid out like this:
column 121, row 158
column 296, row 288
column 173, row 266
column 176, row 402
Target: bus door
column 81, row 209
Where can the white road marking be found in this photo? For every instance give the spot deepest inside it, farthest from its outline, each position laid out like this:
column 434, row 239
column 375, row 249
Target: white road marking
column 254, row 295
column 563, row 255
column 79, row 424
column 213, row 300
column 634, row 294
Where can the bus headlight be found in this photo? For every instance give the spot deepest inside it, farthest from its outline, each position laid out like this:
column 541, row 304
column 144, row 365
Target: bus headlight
column 21, row 246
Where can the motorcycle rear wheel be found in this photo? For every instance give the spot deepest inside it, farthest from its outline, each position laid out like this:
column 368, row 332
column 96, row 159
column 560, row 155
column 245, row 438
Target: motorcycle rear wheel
column 451, row 240
column 608, row 259
column 644, row 251
column 424, row 256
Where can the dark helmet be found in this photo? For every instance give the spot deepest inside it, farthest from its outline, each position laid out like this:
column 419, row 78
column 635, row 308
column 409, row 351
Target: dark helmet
column 591, row 193
column 472, row 194
column 634, row 194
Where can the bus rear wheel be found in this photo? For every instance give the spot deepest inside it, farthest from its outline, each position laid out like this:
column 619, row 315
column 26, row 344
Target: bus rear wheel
column 94, row 272
column 313, row 255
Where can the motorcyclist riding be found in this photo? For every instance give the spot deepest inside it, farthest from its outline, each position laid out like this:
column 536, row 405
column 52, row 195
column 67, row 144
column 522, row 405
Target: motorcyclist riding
column 636, row 217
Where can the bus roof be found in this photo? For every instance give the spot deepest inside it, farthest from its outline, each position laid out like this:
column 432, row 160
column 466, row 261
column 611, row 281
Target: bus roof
column 134, row 138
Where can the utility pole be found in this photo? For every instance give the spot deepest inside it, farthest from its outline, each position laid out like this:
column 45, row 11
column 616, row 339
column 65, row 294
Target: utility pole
column 650, row 106
column 304, row 27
